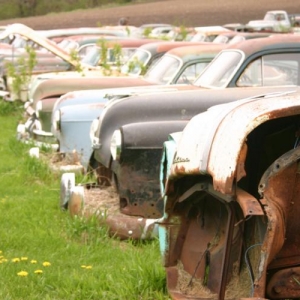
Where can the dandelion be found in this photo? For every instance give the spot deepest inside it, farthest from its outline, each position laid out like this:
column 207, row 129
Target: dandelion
column 3, row 260
column 22, row 273
column 15, row 260
column 33, row 261
column 86, row 267
column 46, row 264
column 24, row 258
column 38, row 272
column 0, row 252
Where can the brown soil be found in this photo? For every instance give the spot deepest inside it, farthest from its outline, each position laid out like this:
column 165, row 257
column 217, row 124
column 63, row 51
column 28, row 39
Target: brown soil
column 176, row 12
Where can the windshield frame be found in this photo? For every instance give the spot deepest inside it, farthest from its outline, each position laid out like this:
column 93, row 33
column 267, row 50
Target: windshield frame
column 126, row 67
column 213, row 70
column 157, row 79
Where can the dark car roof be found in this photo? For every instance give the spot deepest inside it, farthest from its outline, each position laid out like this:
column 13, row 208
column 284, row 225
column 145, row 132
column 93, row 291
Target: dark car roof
column 276, row 42
column 232, row 34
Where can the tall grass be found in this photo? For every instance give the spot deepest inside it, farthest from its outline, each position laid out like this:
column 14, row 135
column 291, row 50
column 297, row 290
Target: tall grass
column 46, row 254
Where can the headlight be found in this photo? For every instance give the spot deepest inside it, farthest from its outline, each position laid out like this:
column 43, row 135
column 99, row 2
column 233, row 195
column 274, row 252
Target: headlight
column 116, row 145
column 38, row 108
column 56, row 123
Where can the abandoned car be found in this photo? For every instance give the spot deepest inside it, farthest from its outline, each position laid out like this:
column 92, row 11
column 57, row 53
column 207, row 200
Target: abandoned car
column 230, row 225
column 129, row 134
column 74, row 112
column 48, row 91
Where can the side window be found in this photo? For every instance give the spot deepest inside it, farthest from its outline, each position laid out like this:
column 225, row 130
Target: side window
column 191, row 72
column 270, row 70
column 252, row 75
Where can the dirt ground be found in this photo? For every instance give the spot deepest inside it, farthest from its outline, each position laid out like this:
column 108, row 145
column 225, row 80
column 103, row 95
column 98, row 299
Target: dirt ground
column 175, row 12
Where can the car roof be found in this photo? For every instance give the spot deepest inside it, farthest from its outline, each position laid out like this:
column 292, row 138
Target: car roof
column 188, row 52
column 276, row 42
column 164, row 46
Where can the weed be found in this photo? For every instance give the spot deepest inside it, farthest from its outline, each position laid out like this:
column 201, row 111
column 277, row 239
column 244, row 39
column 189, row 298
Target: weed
column 19, row 72
column 9, row 108
column 76, row 58
column 46, row 254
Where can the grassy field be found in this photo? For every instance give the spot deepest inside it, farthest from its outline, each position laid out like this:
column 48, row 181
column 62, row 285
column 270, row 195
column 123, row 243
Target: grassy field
column 46, row 254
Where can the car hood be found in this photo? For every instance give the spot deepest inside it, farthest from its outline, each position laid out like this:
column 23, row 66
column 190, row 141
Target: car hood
column 213, row 142
column 34, row 36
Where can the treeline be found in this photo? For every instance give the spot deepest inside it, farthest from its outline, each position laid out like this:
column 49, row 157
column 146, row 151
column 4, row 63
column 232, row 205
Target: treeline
column 26, row 8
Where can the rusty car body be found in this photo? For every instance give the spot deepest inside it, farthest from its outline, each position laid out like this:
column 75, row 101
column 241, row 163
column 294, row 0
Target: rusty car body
column 231, row 216
column 130, row 132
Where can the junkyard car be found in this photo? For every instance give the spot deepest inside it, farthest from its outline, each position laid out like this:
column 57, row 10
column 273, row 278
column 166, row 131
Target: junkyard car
column 53, row 57
column 130, row 132
column 148, row 53
column 74, row 112
column 230, row 227
column 50, row 90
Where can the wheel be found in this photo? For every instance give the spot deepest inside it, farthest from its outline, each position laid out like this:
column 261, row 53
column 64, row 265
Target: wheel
column 67, row 183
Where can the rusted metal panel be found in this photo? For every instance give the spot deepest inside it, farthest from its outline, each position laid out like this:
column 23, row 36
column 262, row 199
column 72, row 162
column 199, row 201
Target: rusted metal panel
column 254, row 242
column 135, row 186
column 214, row 149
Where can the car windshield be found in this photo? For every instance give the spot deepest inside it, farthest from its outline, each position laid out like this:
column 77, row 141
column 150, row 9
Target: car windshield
column 220, row 71
column 93, row 56
column 236, row 39
column 19, row 42
column 269, row 17
column 199, row 37
column 221, row 39
column 137, row 62
column 68, row 45
column 164, row 70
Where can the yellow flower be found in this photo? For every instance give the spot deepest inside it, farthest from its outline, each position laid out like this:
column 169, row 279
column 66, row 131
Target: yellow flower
column 15, row 260
column 3, row 260
column 46, row 264
column 86, row 267
column 23, row 273
column 24, row 258
column 1, row 256
column 38, row 272
column 0, row 252
column 33, row 261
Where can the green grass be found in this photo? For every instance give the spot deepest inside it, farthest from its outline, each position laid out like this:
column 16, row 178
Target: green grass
column 84, row 262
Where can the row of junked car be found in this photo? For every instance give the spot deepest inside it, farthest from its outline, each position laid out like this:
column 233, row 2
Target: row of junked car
column 196, row 149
